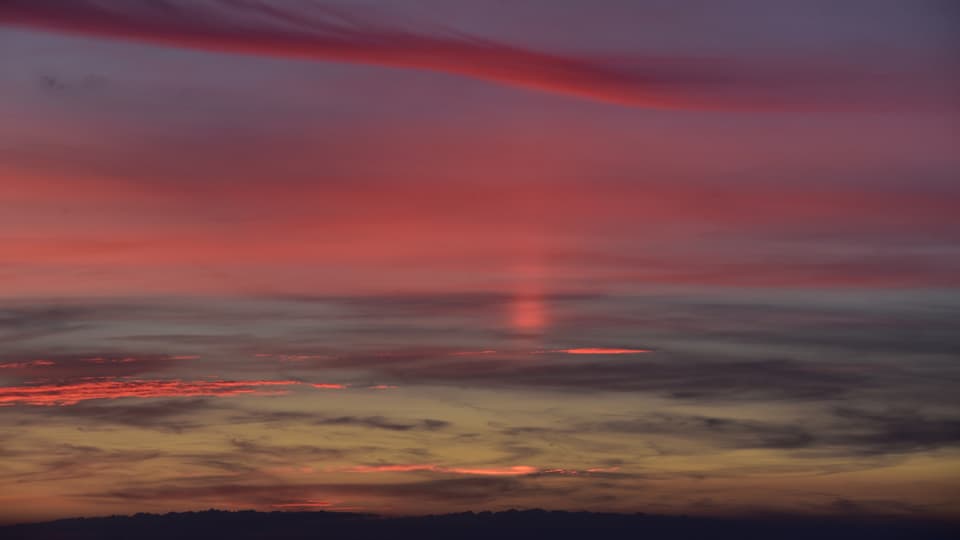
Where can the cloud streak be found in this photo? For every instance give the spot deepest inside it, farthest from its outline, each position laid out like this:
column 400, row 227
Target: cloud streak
column 71, row 394
column 379, row 422
column 601, row 350
column 511, row 470
column 515, row 470
column 314, row 31
column 844, row 430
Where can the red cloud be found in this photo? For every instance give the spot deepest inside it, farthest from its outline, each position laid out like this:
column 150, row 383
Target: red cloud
column 30, row 364
column 101, row 366
column 328, row 386
column 602, row 350
column 517, row 470
column 669, row 214
column 580, row 350
column 325, row 33
column 71, row 394
column 392, row 468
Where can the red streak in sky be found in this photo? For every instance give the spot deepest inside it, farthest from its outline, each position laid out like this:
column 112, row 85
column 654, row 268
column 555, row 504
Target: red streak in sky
column 329, row 386
column 71, row 394
column 516, row 470
column 601, row 350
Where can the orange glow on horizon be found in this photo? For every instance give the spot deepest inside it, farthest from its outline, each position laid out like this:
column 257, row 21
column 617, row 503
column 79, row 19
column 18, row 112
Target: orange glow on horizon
column 310, row 503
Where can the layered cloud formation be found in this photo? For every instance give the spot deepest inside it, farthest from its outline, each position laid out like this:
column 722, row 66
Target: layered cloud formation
column 273, row 255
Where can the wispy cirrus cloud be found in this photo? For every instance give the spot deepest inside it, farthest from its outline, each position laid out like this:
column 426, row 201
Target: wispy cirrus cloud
column 347, row 34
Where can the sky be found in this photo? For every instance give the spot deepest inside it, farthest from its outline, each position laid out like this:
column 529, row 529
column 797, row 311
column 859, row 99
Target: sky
column 430, row 256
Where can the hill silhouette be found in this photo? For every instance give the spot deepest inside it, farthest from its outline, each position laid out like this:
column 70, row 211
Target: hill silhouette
column 532, row 524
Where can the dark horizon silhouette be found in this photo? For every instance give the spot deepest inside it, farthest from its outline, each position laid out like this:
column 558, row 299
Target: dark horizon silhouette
column 249, row 524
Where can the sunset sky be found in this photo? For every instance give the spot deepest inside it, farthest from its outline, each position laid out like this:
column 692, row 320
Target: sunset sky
column 681, row 257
